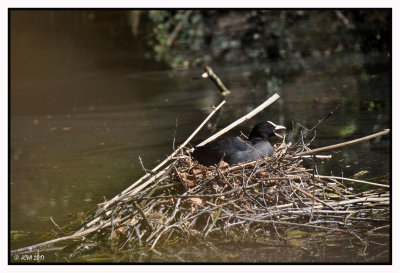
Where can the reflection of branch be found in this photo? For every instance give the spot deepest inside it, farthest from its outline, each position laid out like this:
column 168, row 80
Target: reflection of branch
column 210, row 74
column 344, row 19
column 177, row 29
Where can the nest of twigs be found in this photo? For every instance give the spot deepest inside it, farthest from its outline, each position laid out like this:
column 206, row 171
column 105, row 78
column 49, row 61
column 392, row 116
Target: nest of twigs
column 191, row 200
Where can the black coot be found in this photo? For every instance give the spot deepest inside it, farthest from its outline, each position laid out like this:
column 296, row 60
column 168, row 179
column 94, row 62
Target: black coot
column 234, row 150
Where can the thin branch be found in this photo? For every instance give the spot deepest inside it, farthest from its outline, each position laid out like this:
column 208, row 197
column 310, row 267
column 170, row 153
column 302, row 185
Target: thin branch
column 314, row 198
column 139, row 208
column 326, row 148
column 209, row 73
column 353, row 180
column 241, row 120
column 326, row 117
column 51, row 218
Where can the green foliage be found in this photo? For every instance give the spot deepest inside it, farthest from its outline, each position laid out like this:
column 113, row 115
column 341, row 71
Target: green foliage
column 18, row 234
column 348, row 129
column 176, row 36
column 189, row 37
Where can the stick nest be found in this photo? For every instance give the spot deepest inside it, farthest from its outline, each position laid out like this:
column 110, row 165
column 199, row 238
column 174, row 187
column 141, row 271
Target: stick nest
column 190, row 200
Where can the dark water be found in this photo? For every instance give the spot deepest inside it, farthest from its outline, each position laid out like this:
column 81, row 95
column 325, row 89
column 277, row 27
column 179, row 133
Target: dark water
column 84, row 109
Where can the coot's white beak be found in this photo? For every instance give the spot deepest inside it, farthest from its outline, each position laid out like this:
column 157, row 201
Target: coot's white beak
column 279, row 127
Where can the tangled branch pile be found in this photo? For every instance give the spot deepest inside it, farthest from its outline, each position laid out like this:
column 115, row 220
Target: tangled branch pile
column 192, row 200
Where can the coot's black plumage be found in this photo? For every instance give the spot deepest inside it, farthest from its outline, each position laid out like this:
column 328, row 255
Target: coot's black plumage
column 233, row 150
